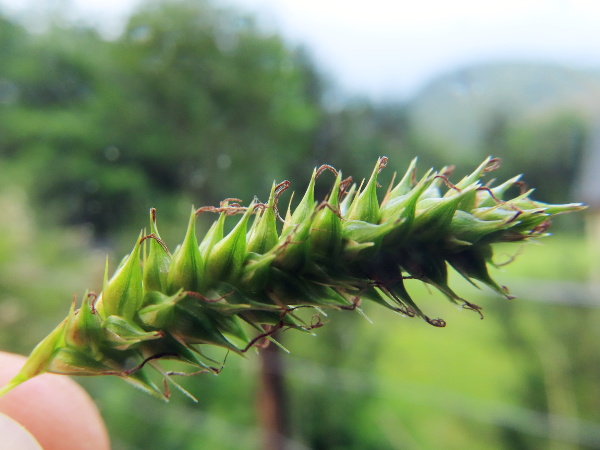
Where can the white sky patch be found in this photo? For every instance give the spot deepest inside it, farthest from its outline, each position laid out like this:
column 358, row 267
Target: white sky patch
column 384, row 48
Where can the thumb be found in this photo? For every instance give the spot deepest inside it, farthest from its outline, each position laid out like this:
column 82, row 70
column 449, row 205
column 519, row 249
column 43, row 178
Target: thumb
column 14, row 435
column 53, row 408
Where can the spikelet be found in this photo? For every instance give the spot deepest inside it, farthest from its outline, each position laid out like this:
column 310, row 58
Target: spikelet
column 348, row 248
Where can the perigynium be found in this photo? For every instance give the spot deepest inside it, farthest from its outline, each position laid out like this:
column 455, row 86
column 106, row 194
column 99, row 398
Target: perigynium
column 335, row 253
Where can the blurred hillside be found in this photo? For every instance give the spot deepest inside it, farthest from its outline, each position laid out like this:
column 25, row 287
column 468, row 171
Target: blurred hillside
column 539, row 118
column 458, row 108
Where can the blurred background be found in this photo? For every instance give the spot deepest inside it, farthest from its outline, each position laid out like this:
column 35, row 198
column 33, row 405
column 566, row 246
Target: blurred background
column 110, row 108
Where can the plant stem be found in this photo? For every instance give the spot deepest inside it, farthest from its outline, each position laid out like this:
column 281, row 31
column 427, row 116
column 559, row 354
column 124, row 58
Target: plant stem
column 272, row 399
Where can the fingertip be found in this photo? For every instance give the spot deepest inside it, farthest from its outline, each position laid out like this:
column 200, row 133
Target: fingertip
column 53, row 408
column 15, row 435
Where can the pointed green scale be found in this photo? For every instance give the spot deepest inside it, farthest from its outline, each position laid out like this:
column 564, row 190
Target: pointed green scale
column 398, row 292
column 214, row 234
column 567, row 207
column 502, row 188
column 255, row 271
column 362, row 232
column 363, row 239
column 376, row 295
column 434, row 190
column 84, row 328
column 404, row 209
column 158, row 310
column 326, row 230
column 427, row 265
column 404, row 186
column 71, row 361
column 528, row 222
column 474, row 177
column 529, row 205
column 404, row 205
column 292, row 251
column 496, row 212
column 39, row 359
column 470, row 183
column 226, row 258
column 263, row 235
column 353, row 250
column 157, row 261
column 347, row 200
column 471, row 263
column 73, row 334
column 434, row 215
column 228, row 325
column 191, row 324
column 123, row 294
column 187, row 267
column 486, row 200
column 185, row 352
column 221, row 315
column 304, row 209
column 142, row 381
column 294, row 290
column 365, row 206
column 122, row 333
column 253, row 318
column 468, row 228
column 468, row 201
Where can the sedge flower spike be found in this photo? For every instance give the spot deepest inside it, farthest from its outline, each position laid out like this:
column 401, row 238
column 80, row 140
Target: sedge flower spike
column 234, row 290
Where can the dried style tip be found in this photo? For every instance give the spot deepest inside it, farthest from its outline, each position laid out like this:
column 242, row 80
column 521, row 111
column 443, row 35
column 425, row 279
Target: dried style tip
column 348, row 248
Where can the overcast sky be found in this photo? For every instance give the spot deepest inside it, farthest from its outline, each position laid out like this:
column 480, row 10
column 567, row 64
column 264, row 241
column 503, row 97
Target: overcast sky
column 391, row 48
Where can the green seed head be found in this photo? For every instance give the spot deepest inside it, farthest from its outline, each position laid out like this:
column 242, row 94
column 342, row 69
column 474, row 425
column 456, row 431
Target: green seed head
column 348, row 248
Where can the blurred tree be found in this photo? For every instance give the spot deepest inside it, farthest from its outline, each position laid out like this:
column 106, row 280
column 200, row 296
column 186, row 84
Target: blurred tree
column 208, row 95
column 192, row 104
column 188, row 96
